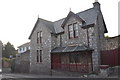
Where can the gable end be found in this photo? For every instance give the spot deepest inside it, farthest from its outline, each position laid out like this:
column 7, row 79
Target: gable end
column 69, row 15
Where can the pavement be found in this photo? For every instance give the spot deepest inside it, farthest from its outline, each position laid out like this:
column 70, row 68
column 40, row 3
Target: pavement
column 23, row 75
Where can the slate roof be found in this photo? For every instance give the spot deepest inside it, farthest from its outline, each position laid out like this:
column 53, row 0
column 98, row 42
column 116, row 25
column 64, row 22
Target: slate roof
column 49, row 24
column 57, row 26
column 89, row 16
column 70, row 49
column 28, row 43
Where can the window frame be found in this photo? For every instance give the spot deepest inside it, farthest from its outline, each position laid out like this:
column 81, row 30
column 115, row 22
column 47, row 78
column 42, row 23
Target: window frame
column 74, row 31
column 39, row 37
column 69, row 32
column 38, row 34
column 39, row 56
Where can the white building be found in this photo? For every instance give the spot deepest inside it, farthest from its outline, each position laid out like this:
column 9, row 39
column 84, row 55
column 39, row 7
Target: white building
column 23, row 48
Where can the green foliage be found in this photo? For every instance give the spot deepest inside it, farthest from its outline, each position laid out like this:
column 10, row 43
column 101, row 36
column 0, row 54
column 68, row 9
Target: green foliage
column 8, row 50
column 6, row 59
column 107, row 36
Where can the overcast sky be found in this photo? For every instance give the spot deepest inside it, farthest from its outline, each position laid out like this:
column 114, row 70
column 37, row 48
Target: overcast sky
column 17, row 17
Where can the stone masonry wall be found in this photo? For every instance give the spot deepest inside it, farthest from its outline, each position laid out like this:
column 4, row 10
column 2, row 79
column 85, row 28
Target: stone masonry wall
column 111, row 43
column 45, row 66
column 50, row 41
column 22, row 62
column 82, row 40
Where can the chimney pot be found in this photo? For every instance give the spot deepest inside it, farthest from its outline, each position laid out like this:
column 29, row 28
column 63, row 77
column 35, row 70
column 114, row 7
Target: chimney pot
column 96, row 4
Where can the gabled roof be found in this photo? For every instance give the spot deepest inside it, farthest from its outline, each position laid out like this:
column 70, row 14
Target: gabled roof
column 69, row 15
column 57, row 26
column 88, row 16
column 48, row 24
column 28, row 43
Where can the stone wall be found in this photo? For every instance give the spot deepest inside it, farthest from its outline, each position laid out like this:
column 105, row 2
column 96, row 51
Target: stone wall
column 50, row 41
column 111, row 43
column 22, row 62
column 43, row 67
column 95, row 36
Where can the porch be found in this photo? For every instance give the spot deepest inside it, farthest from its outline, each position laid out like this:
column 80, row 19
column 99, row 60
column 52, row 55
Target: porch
column 75, row 61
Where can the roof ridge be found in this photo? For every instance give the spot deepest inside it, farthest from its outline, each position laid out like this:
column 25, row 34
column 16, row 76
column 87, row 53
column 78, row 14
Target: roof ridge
column 75, row 13
column 85, row 10
column 24, row 44
column 59, row 19
column 45, row 20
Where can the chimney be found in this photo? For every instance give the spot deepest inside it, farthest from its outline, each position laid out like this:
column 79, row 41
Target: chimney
column 96, row 4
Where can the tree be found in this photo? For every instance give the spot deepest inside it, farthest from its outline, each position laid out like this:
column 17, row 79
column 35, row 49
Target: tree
column 106, row 36
column 8, row 50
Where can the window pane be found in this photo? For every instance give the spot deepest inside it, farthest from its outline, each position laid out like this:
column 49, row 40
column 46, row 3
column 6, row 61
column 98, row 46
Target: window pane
column 40, row 39
column 40, row 56
column 38, row 34
column 77, row 58
column 75, row 26
column 37, row 56
column 83, row 59
column 71, row 34
column 75, row 30
column 70, row 27
column 72, row 58
column 76, row 33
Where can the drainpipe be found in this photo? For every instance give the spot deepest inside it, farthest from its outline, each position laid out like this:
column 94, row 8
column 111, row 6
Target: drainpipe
column 60, row 40
column 88, row 37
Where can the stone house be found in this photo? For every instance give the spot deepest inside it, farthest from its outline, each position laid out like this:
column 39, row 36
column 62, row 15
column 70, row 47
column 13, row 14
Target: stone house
column 22, row 61
column 69, row 44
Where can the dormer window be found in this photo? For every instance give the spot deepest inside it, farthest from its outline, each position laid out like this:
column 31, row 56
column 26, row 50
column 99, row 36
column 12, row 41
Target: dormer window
column 73, row 30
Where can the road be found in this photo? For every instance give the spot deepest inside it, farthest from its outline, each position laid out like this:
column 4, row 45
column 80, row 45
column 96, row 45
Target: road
column 45, row 77
column 10, row 75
